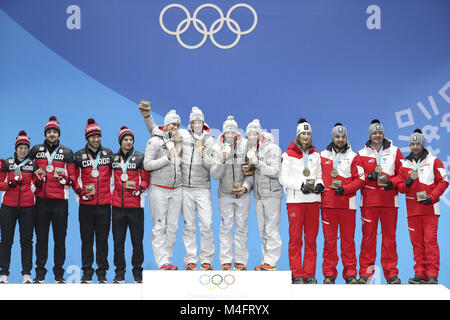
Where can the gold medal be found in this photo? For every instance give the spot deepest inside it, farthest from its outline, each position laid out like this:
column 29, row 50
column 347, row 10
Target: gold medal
column 334, row 173
column 306, row 172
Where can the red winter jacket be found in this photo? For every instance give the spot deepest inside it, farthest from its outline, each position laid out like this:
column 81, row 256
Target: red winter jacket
column 432, row 179
column 373, row 195
column 22, row 195
column 123, row 197
column 84, row 162
column 351, row 174
column 64, row 158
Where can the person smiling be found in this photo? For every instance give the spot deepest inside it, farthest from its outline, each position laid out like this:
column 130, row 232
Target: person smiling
column 18, row 205
column 424, row 180
column 57, row 163
column 381, row 162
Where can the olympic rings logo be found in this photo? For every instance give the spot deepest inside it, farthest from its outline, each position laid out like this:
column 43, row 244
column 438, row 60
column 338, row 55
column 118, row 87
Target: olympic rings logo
column 217, row 281
column 215, row 27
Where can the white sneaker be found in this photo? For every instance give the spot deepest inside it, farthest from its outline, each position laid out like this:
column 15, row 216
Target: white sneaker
column 26, row 278
column 3, row 279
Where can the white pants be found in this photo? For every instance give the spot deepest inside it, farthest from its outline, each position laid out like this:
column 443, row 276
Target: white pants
column 268, row 213
column 165, row 205
column 234, row 209
column 198, row 200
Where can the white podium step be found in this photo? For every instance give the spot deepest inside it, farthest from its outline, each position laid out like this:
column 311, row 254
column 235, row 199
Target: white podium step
column 211, row 285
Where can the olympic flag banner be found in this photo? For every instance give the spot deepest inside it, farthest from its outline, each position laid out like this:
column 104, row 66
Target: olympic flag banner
column 329, row 61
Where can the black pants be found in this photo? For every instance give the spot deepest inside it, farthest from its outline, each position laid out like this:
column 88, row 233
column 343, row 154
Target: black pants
column 95, row 221
column 123, row 218
column 54, row 211
column 8, row 219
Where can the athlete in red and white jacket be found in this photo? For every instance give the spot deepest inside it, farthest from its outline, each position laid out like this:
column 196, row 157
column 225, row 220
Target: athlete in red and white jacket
column 340, row 167
column 93, row 187
column 52, row 207
column 379, row 202
column 423, row 173
column 130, row 182
column 300, row 166
column 18, row 180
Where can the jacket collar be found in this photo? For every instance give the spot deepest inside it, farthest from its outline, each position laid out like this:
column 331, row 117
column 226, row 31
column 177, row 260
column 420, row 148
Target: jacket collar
column 344, row 149
column 424, row 154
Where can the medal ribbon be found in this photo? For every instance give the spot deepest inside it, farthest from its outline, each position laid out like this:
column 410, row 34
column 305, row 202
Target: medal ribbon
column 97, row 159
column 53, row 155
column 380, row 153
column 336, row 162
column 125, row 167
column 306, row 158
column 417, row 165
column 24, row 162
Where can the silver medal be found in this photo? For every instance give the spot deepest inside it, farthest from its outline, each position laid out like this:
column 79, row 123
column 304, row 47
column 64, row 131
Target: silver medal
column 18, row 172
column 95, row 173
column 124, row 177
column 50, row 168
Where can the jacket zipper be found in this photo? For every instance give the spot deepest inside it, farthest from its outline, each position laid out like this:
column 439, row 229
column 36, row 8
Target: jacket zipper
column 190, row 166
column 20, row 192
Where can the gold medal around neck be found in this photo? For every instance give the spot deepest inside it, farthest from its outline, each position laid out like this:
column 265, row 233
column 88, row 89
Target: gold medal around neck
column 306, row 172
column 379, row 169
column 334, row 173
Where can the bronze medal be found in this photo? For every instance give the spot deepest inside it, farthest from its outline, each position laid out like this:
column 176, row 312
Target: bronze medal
column 334, row 173
column 414, row 174
column 379, row 169
column 306, row 172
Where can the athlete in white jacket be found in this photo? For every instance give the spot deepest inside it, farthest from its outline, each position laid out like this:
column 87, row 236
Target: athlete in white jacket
column 265, row 156
column 234, row 195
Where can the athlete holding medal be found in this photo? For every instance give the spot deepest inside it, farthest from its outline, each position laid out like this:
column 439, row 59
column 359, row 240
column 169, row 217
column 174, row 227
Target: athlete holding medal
column 56, row 163
column 94, row 169
column 342, row 176
column 424, row 180
column 379, row 202
column 301, row 176
column 163, row 160
column 130, row 182
column 18, row 205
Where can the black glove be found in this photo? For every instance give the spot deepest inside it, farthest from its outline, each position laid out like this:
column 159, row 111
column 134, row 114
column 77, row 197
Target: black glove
column 306, row 190
column 409, row 182
column 12, row 184
column 319, row 188
column 373, row 176
column 339, row 190
column 427, row 201
column 389, row 185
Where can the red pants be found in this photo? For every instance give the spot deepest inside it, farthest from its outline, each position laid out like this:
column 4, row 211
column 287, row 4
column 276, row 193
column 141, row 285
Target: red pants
column 344, row 219
column 303, row 216
column 368, row 254
column 423, row 234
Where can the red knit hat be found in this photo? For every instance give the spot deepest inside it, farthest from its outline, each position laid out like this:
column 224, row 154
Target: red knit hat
column 92, row 128
column 22, row 139
column 52, row 123
column 124, row 131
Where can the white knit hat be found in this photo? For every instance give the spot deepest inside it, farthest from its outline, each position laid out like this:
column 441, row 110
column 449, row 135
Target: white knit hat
column 254, row 126
column 196, row 114
column 230, row 125
column 303, row 126
column 172, row 117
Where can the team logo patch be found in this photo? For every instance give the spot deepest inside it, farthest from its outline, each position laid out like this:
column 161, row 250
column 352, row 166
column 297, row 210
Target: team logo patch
column 84, row 156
